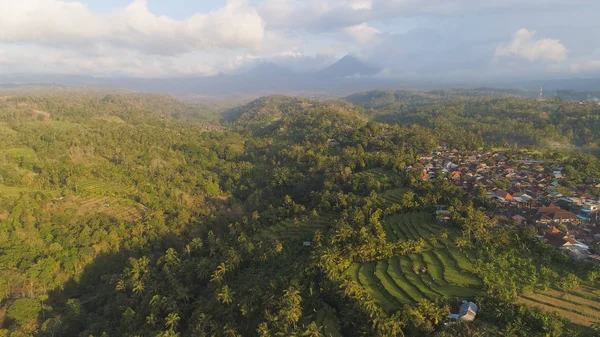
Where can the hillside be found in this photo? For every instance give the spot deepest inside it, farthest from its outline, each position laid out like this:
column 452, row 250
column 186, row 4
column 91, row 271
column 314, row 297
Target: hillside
column 130, row 214
column 499, row 120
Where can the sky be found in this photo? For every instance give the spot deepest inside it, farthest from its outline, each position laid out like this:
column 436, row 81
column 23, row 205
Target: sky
column 425, row 39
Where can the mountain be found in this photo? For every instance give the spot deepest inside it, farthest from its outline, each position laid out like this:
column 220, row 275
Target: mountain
column 349, row 66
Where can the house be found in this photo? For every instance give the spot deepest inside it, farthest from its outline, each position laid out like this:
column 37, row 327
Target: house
column 442, row 215
column 466, row 312
column 590, row 207
column 503, row 196
column 332, row 142
column 576, row 249
column 456, row 175
column 554, row 213
column 519, row 219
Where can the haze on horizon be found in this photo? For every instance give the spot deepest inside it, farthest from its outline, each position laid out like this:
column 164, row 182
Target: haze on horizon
column 406, row 39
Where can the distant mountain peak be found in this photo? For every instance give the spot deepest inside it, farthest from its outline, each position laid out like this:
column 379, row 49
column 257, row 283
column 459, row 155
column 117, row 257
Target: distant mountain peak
column 349, row 65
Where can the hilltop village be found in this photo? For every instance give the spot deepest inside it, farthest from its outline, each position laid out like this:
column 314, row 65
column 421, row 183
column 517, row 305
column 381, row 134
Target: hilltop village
column 518, row 188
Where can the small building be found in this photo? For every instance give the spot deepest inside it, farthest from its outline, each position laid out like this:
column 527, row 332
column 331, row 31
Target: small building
column 307, row 244
column 466, row 313
column 442, row 215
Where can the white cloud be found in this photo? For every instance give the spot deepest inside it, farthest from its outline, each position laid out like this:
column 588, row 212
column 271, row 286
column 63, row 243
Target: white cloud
column 361, row 4
column 54, row 22
column 363, row 33
column 432, row 37
column 524, row 45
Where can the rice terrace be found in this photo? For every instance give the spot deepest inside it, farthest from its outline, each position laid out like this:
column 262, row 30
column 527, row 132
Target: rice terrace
column 440, row 270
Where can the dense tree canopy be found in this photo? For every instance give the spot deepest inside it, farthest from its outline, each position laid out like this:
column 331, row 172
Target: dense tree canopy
column 125, row 214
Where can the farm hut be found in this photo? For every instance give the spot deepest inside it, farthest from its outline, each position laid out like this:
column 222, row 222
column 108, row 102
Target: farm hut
column 466, row 312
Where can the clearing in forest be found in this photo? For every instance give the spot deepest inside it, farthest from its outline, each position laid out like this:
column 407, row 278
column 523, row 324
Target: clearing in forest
column 19, row 152
column 297, row 229
column 102, row 188
column 390, row 197
column 440, row 270
column 118, row 208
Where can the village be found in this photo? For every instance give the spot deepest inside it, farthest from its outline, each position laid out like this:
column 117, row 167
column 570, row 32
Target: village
column 522, row 190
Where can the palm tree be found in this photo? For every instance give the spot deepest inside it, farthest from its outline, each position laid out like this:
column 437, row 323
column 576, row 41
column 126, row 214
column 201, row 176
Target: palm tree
column 225, row 295
column 138, row 287
column 312, row 330
column 263, row 330
column 172, row 320
column 219, row 273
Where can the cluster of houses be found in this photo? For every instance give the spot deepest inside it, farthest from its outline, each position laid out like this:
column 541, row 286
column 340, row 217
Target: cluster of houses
column 525, row 191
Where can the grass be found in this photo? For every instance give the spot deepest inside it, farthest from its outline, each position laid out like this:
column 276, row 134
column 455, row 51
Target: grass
column 391, row 197
column 15, row 191
column 10, row 191
column 381, row 272
column 399, row 277
column 289, row 229
column 118, row 208
column 450, row 273
column 102, row 188
column 581, row 306
column 571, row 316
column 19, row 152
column 353, row 272
column 374, row 288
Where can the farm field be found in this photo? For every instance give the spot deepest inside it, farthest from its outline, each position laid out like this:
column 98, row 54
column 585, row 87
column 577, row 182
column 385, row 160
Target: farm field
column 580, row 306
column 119, row 208
column 10, row 191
column 14, row 191
column 300, row 230
column 398, row 280
column 391, row 197
column 102, row 188
column 19, row 152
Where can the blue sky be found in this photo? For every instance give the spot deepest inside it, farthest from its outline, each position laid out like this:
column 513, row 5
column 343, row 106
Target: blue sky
column 436, row 39
column 177, row 9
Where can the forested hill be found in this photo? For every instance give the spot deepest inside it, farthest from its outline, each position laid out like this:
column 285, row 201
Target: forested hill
column 501, row 119
column 127, row 214
column 297, row 117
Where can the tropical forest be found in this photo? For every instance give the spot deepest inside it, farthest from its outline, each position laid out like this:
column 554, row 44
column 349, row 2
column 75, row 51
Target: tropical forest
column 382, row 213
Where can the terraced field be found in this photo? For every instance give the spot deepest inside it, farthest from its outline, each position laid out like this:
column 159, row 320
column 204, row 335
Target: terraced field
column 101, row 188
column 301, row 230
column 396, row 281
column 19, row 152
column 119, row 208
column 581, row 306
column 9, row 191
column 391, row 197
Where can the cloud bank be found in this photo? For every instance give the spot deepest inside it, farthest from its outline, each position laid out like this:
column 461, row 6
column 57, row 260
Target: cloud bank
column 524, row 45
column 409, row 38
